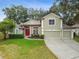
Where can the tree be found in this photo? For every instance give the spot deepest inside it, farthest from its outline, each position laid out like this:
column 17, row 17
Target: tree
column 68, row 10
column 17, row 13
column 77, row 18
column 36, row 14
column 6, row 26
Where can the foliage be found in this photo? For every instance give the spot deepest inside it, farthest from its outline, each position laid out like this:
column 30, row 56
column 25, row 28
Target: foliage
column 6, row 26
column 67, row 9
column 17, row 13
column 21, row 14
column 42, row 36
column 36, row 14
column 76, row 18
column 37, row 36
column 16, row 36
column 76, row 38
column 1, row 36
column 54, row 9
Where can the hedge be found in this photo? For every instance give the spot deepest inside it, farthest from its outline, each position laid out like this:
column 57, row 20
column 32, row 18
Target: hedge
column 16, row 36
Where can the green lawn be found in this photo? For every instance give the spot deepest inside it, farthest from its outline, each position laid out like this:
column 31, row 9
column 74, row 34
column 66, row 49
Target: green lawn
column 25, row 49
column 76, row 38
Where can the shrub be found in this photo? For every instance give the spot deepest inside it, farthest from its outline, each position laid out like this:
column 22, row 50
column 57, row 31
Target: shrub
column 1, row 36
column 34, row 36
column 37, row 36
column 16, row 36
column 42, row 36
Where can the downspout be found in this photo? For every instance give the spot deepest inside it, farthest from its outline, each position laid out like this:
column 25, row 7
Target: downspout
column 62, row 33
column 72, row 34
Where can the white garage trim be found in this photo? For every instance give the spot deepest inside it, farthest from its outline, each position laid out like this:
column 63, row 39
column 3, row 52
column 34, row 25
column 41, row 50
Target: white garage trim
column 42, row 27
column 72, row 34
column 61, row 25
column 62, row 34
column 59, row 30
column 67, row 30
column 51, row 30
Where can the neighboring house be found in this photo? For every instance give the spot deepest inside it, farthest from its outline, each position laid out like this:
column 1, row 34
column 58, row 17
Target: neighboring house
column 76, row 29
column 50, row 25
column 31, row 27
column 53, row 28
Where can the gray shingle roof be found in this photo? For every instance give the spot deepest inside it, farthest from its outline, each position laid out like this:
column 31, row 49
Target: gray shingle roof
column 32, row 22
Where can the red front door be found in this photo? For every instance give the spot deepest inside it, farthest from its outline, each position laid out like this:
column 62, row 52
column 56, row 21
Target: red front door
column 27, row 32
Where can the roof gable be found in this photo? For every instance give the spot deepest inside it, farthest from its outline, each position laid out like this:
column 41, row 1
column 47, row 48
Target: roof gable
column 53, row 15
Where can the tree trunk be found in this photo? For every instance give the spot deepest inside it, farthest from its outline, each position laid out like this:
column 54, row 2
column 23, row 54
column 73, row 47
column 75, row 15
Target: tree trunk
column 4, row 35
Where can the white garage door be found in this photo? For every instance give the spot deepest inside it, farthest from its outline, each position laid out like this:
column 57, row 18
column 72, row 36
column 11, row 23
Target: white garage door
column 66, row 34
column 58, row 35
column 52, row 35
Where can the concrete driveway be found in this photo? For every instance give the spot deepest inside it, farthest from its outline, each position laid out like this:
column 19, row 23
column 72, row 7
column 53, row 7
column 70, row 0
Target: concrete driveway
column 63, row 49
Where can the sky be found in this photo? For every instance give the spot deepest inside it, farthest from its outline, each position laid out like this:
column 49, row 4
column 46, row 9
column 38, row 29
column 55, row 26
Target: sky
column 36, row 4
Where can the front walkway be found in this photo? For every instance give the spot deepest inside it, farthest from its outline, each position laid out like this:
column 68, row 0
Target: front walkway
column 63, row 49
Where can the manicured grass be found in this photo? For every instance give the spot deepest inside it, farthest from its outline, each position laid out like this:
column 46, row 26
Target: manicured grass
column 76, row 38
column 25, row 49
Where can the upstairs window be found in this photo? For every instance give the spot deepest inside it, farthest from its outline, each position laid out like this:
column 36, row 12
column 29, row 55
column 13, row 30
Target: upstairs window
column 51, row 22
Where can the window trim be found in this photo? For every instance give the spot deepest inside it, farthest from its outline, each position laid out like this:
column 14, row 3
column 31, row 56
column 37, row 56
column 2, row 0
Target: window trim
column 35, row 30
column 51, row 23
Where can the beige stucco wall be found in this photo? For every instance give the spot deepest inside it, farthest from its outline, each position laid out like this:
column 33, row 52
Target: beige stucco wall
column 56, row 26
column 55, row 31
